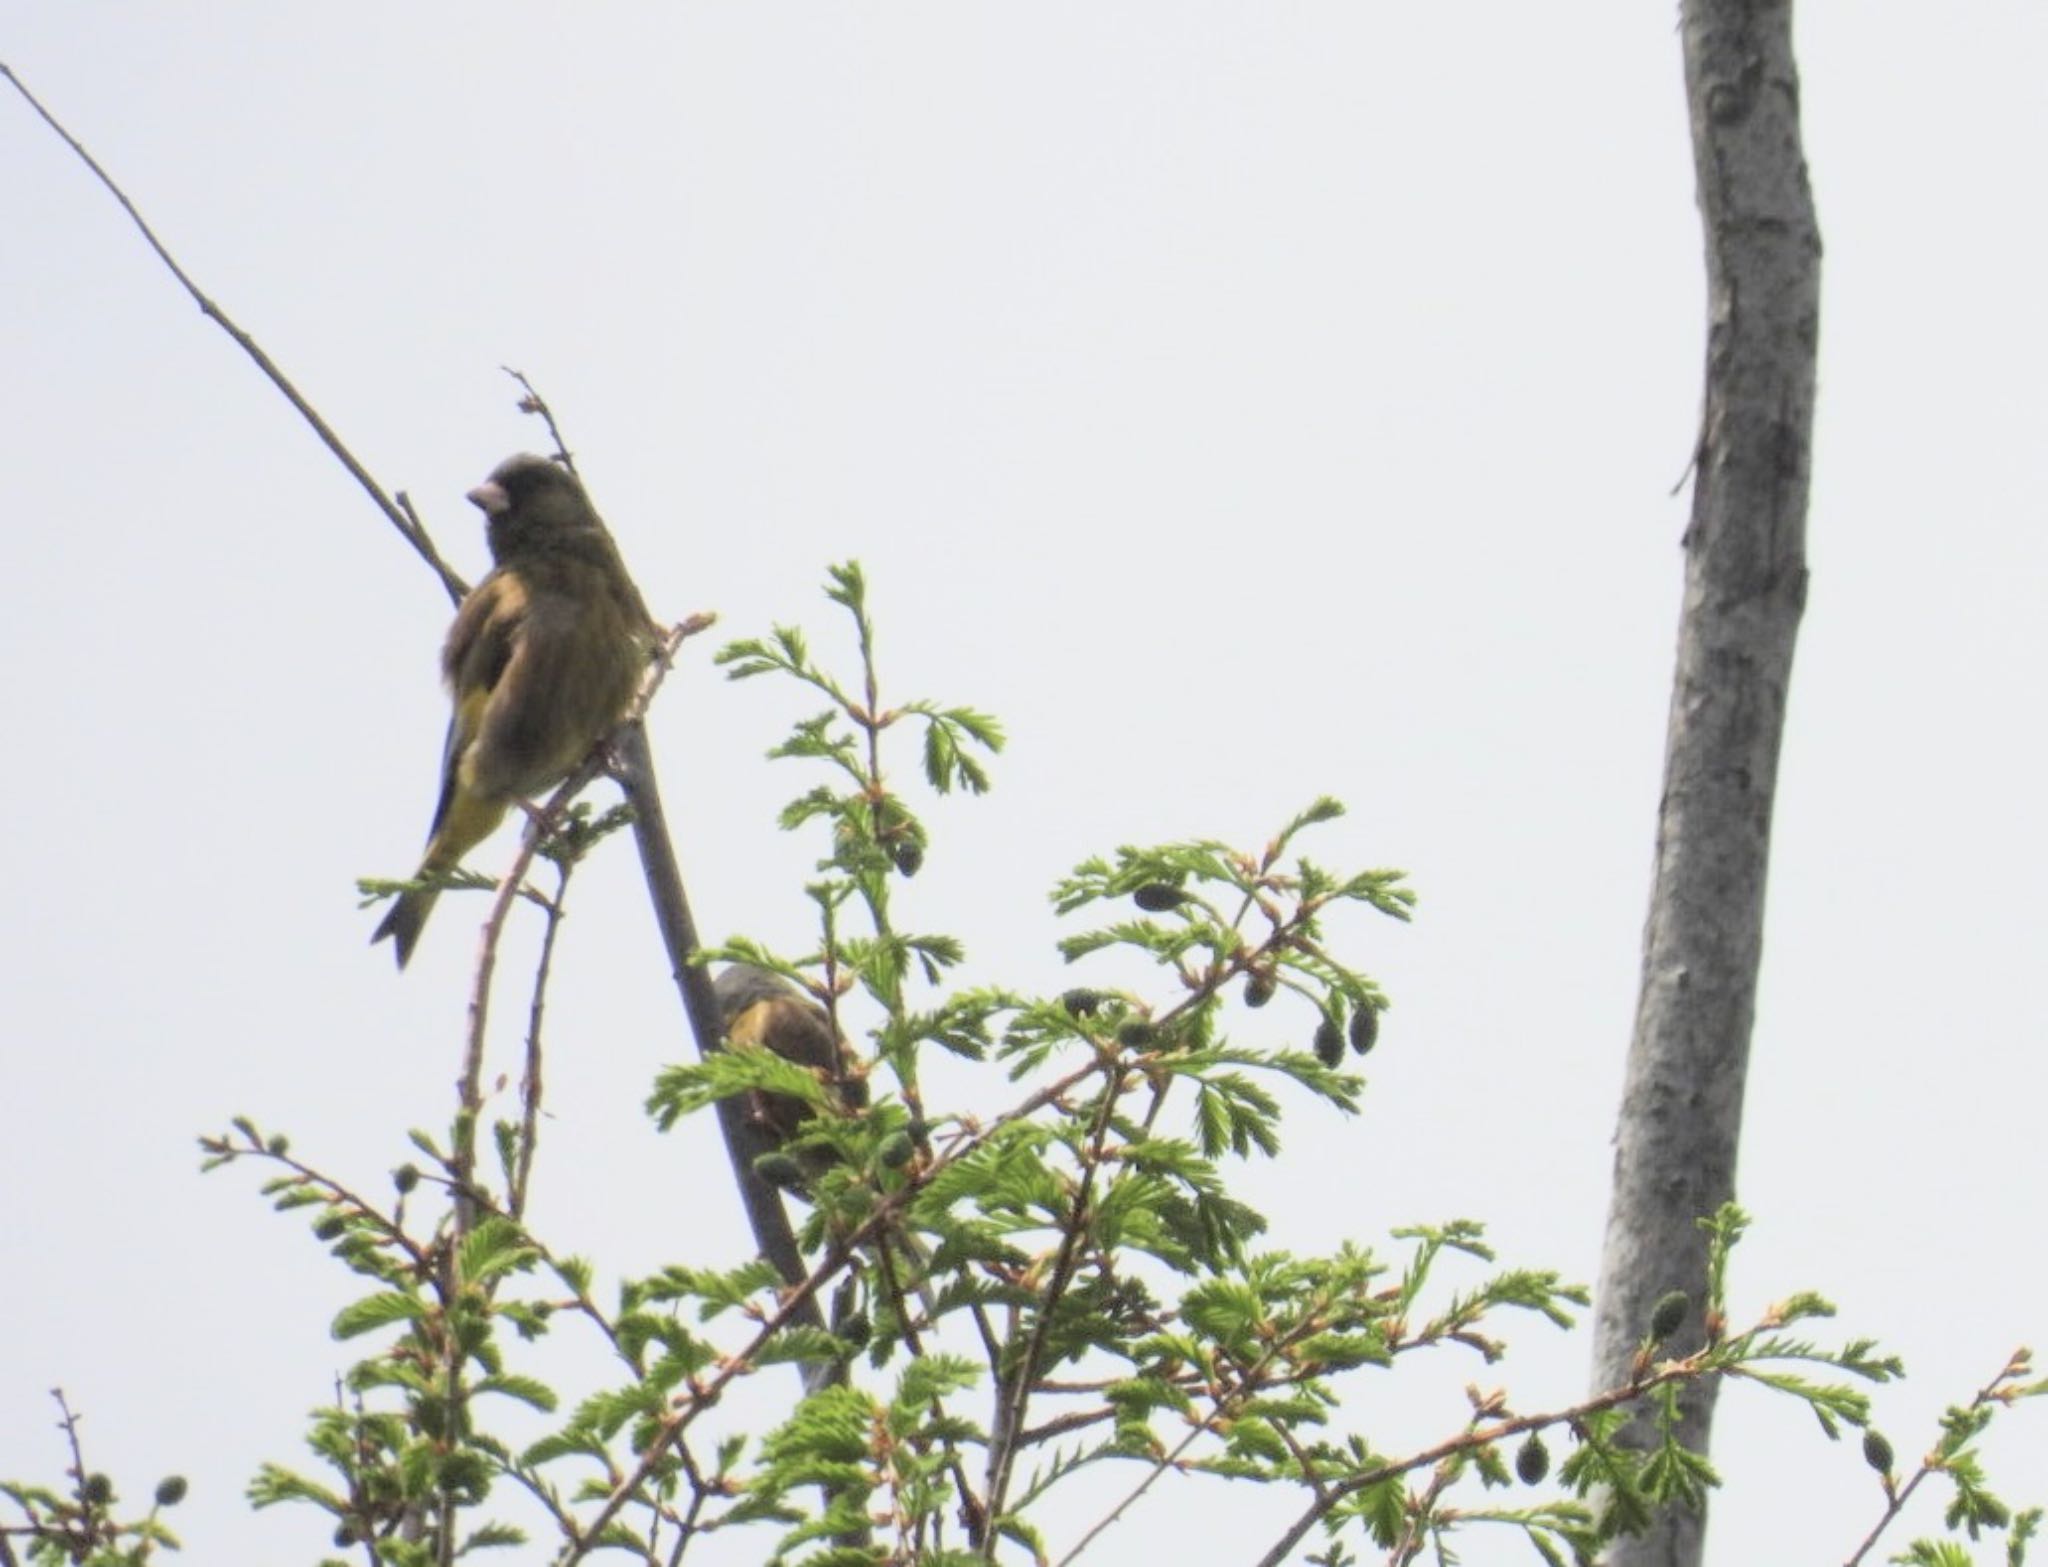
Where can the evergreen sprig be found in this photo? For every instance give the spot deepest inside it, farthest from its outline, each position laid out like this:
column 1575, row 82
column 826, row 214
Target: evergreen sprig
column 1071, row 1282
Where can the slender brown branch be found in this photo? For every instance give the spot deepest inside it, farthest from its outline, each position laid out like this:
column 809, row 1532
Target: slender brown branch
column 534, row 403
column 400, row 516
column 1137, row 1492
column 1673, row 1371
column 1249, row 1382
column 798, row 1306
column 69, row 1422
column 337, row 1193
column 1415, row 1533
column 1064, row 1425
column 530, row 1083
column 469, row 1086
column 773, row 1234
column 2016, row 1365
column 545, row 1495
column 686, row 1526
column 1014, row 1395
column 972, row 1508
column 700, row 1491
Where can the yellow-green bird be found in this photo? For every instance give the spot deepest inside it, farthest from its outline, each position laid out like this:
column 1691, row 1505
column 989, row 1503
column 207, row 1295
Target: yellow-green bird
column 763, row 1011
column 541, row 664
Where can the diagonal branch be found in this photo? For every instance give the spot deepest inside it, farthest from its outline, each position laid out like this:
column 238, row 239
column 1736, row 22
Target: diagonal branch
column 397, row 509
column 766, row 1216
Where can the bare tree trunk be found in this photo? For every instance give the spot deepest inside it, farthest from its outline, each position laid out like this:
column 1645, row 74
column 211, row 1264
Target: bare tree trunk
column 1745, row 585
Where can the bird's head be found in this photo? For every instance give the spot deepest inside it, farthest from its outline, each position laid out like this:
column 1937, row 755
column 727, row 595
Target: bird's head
column 531, row 503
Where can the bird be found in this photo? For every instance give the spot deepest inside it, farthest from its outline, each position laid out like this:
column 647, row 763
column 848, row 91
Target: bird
column 541, row 664
column 762, row 1010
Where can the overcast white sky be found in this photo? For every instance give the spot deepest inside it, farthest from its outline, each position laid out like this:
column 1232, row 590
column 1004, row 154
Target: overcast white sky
column 1243, row 402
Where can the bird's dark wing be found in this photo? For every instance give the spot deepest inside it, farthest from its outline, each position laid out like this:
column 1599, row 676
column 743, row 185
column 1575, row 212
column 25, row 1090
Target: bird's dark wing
column 480, row 647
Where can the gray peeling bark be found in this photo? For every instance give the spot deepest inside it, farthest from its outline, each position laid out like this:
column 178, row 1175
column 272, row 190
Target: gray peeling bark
column 1745, row 584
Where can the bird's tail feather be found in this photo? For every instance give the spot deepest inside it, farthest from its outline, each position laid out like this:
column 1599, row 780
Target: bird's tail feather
column 403, row 924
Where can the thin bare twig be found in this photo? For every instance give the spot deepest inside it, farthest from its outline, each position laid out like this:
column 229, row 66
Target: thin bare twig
column 534, row 403
column 530, row 1081
column 1137, row 1492
column 69, row 1421
column 398, row 512
column 469, row 1086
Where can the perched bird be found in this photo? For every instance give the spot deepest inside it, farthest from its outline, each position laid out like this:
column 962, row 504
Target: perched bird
column 764, row 1010
column 541, row 663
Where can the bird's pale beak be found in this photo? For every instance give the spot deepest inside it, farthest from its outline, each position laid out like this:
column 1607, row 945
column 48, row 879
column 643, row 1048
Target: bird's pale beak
column 490, row 498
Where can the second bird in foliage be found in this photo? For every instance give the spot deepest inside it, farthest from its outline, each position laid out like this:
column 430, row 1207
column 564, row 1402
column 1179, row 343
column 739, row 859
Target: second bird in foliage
column 762, row 1010
column 541, row 664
